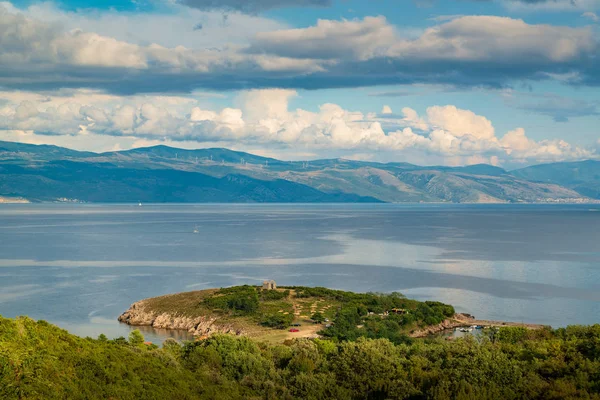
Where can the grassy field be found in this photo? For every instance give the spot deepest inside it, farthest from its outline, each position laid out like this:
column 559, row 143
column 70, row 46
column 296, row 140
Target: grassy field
column 188, row 304
column 298, row 310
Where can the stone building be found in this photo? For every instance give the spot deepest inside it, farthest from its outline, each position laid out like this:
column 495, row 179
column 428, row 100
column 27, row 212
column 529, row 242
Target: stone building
column 269, row 285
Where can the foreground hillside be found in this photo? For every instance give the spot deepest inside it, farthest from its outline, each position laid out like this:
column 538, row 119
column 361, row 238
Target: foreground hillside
column 164, row 174
column 41, row 361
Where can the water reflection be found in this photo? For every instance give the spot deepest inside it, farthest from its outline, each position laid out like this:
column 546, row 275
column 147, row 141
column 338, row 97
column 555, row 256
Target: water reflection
column 80, row 266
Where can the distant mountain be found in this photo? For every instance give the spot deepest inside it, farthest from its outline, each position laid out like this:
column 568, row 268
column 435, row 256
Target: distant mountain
column 583, row 176
column 33, row 152
column 105, row 182
column 217, row 155
column 166, row 174
column 479, row 169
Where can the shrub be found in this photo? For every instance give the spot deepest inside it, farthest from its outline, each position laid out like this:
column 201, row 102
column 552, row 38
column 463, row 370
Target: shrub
column 270, row 295
column 242, row 299
column 277, row 320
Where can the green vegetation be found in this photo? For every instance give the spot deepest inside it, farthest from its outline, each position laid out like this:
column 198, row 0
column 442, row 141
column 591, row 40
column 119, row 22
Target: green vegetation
column 350, row 315
column 41, row 361
column 372, row 315
column 318, row 317
column 277, row 320
column 239, row 299
column 267, row 295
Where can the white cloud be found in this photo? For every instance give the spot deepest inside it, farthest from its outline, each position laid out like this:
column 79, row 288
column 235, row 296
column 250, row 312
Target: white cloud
column 51, row 51
column 517, row 141
column 27, row 41
column 386, row 110
column 33, row 51
column 178, row 27
column 460, row 122
column 522, row 149
column 467, row 38
column 412, row 119
column 264, row 120
column 501, row 39
column 345, row 39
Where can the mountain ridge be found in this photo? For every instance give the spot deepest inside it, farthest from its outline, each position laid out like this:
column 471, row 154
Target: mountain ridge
column 168, row 174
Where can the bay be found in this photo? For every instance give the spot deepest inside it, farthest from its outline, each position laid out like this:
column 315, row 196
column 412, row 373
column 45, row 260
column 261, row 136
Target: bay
column 80, row 265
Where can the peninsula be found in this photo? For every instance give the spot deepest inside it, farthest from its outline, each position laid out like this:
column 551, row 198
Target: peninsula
column 276, row 314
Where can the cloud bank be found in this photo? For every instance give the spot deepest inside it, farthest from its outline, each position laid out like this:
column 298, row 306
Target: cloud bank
column 466, row 51
column 264, row 118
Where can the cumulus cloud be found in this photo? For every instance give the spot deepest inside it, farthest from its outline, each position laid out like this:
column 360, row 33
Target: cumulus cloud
column 346, row 39
column 521, row 148
column 499, row 39
column 472, row 51
column 35, row 53
column 264, row 119
column 460, row 122
column 178, row 27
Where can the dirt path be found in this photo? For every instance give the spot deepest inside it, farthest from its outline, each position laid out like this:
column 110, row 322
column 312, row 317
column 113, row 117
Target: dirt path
column 306, row 331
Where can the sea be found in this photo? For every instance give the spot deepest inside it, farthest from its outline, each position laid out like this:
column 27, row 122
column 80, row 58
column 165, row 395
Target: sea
column 79, row 266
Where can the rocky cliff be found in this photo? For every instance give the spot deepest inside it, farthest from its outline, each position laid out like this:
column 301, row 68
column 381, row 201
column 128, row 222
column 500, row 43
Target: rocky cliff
column 140, row 315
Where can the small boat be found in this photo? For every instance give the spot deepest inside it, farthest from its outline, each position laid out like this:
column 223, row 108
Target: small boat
column 140, row 204
column 196, row 230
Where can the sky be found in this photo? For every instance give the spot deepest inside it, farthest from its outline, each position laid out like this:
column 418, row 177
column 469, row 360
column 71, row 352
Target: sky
column 445, row 82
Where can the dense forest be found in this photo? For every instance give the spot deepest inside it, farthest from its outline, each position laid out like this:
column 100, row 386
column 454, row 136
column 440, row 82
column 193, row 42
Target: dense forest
column 41, row 361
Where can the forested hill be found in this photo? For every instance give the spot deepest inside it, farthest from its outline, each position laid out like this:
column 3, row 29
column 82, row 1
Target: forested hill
column 165, row 174
column 41, row 361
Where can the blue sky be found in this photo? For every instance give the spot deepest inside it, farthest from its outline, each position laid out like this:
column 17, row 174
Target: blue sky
column 505, row 82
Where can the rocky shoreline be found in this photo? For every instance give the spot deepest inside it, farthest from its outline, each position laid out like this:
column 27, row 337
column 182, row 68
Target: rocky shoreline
column 203, row 326
column 462, row 320
column 183, row 312
column 139, row 315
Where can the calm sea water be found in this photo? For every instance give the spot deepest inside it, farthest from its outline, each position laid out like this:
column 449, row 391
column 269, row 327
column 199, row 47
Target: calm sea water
column 80, row 266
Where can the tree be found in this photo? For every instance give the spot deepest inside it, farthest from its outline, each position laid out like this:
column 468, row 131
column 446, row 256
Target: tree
column 136, row 338
column 318, row 317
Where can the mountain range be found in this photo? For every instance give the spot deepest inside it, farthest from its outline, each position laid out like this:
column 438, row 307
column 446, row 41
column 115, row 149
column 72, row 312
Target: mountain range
column 43, row 173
